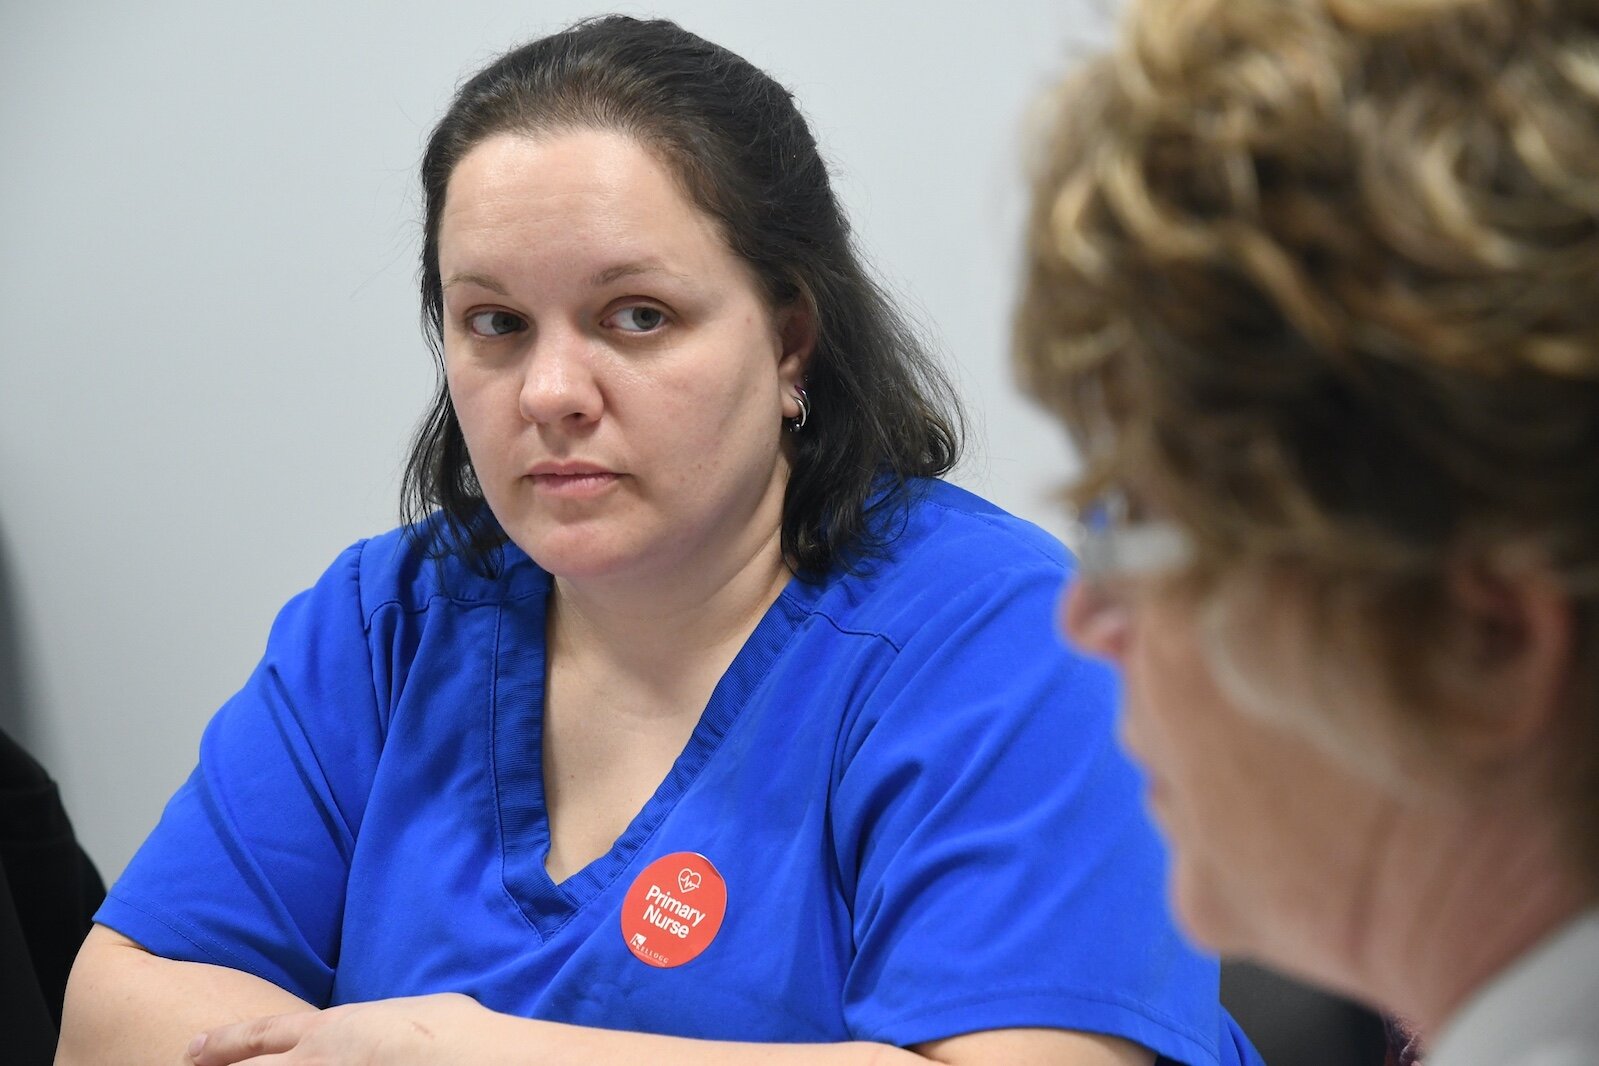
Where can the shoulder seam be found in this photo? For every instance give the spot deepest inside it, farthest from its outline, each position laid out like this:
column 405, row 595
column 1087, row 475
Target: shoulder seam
column 815, row 612
column 413, row 608
column 425, row 605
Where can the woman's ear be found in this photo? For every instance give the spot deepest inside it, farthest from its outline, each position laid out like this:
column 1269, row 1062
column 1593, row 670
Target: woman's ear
column 796, row 336
column 1508, row 659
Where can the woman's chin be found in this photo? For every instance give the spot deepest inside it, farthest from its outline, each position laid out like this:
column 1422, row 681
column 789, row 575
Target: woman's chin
column 576, row 555
column 584, row 567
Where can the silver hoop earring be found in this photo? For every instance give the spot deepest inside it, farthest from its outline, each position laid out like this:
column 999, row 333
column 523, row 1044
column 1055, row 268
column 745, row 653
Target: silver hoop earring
column 797, row 424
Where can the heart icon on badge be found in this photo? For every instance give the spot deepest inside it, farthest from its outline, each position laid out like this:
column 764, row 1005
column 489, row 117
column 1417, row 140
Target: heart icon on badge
column 688, row 880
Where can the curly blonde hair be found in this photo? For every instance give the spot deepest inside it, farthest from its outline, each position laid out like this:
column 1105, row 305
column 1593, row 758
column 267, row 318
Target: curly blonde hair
column 1322, row 278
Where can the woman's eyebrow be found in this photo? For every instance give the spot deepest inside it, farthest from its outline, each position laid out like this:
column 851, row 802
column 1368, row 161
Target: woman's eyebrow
column 602, row 278
column 628, row 270
column 482, row 281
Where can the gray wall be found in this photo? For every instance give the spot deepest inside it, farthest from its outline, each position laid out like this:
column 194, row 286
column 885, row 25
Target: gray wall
column 209, row 359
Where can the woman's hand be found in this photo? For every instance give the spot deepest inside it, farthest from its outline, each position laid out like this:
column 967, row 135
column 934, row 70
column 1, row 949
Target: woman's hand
column 418, row 1031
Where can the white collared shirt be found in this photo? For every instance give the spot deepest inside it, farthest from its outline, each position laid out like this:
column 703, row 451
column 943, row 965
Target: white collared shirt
column 1541, row 1011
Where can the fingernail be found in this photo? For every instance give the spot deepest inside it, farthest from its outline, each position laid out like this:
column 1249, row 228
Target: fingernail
column 196, row 1046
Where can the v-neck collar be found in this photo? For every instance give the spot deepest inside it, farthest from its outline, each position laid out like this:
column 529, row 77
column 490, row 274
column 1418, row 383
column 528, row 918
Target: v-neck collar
column 517, row 702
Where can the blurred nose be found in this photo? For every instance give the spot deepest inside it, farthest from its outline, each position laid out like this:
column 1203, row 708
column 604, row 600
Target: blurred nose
column 558, row 382
column 1096, row 620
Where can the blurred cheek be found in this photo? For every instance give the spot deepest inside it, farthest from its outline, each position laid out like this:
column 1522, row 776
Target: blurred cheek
column 1259, row 649
column 1275, row 670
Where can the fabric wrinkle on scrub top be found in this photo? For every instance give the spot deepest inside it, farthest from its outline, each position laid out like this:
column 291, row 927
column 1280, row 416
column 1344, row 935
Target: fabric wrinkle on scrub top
column 909, row 787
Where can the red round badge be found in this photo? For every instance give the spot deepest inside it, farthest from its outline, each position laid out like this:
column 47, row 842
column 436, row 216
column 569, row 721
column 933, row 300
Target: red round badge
column 674, row 909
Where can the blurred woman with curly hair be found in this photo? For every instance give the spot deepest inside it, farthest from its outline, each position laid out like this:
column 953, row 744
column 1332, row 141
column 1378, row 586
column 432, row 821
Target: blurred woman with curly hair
column 1315, row 286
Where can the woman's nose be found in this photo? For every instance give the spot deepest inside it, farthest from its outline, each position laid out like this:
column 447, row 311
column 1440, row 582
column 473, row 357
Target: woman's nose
column 558, row 384
column 1096, row 620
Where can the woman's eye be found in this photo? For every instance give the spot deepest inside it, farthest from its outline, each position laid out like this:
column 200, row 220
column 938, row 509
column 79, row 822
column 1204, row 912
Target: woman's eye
column 639, row 319
column 494, row 323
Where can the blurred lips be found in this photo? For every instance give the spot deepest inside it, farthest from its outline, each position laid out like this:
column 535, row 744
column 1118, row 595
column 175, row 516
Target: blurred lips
column 571, row 480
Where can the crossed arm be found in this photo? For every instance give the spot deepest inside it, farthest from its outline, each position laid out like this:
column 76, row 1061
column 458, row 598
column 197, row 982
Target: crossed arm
column 127, row 1007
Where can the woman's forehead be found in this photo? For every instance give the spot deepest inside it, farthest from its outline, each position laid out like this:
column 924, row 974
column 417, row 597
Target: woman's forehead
column 593, row 201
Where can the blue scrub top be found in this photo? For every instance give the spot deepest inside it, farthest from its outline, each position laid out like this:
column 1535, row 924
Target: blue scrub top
column 909, row 787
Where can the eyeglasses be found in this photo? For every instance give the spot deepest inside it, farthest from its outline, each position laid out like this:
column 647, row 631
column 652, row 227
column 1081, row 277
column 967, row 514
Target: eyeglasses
column 1110, row 543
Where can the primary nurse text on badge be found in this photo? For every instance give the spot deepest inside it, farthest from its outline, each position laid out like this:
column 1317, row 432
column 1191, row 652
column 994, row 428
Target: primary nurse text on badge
column 674, row 909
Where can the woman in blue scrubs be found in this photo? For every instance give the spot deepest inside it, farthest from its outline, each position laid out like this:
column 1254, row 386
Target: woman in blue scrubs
column 690, row 719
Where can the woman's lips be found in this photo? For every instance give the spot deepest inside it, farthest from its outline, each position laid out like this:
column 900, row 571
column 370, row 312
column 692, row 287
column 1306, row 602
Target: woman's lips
column 577, row 485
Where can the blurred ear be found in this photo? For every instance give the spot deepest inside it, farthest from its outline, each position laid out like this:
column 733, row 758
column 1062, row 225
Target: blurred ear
column 1508, row 657
column 796, row 335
